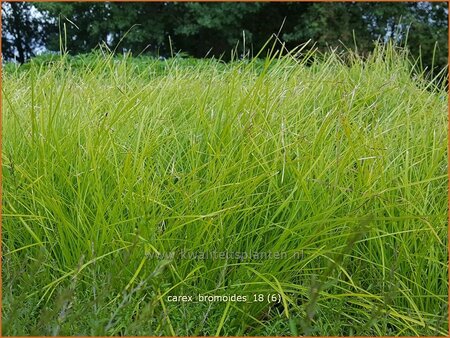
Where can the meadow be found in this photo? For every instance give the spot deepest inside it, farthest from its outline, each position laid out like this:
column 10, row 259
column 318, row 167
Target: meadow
column 295, row 194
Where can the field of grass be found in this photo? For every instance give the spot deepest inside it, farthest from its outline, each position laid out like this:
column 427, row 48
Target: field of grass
column 312, row 186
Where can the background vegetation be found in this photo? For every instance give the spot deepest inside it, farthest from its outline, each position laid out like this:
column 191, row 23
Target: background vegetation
column 199, row 29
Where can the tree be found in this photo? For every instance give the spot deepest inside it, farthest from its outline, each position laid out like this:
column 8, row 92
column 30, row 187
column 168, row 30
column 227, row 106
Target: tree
column 85, row 25
column 199, row 29
column 24, row 30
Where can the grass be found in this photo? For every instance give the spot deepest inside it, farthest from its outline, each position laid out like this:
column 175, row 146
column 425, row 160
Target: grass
column 323, row 177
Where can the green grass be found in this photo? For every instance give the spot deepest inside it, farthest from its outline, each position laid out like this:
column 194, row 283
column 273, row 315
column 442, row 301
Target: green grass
column 336, row 163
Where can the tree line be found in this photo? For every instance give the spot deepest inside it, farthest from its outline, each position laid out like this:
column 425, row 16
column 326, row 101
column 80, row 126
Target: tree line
column 214, row 29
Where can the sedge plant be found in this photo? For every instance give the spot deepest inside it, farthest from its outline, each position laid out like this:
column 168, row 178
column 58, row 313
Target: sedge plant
column 318, row 181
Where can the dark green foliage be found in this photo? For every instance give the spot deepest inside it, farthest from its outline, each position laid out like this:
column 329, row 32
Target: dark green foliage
column 199, row 29
column 22, row 31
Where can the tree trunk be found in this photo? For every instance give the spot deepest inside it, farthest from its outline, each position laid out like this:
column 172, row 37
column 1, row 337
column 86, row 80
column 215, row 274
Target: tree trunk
column 16, row 9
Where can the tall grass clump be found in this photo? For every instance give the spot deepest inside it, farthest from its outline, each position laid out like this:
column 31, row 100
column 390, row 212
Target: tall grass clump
column 316, row 180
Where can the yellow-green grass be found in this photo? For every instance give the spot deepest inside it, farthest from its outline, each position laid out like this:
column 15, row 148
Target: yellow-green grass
column 335, row 163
